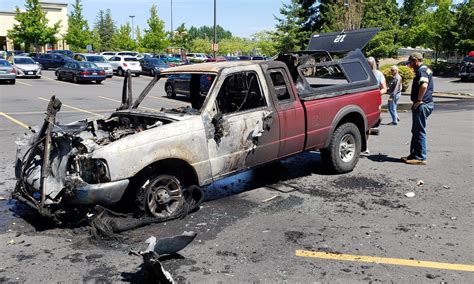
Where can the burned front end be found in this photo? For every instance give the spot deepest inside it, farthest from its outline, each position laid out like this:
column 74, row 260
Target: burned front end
column 55, row 166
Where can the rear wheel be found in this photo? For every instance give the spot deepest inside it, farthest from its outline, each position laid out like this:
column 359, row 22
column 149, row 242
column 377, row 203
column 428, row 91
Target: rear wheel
column 98, row 81
column 342, row 154
column 170, row 93
column 161, row 196
column 152, row 72
column 137, row 75
column 12, row 82
column 74, row 79
column 120, row 72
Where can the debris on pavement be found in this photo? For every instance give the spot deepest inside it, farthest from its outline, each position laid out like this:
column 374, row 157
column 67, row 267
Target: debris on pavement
column 410, row 194
column 420, row 182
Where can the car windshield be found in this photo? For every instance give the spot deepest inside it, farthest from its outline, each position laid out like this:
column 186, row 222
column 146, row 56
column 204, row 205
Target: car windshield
column 127, row 53
column 24, row 61
column 84, row 65
column 96, row 59
column 130, row 59
column 156, row 61
column 4, row 63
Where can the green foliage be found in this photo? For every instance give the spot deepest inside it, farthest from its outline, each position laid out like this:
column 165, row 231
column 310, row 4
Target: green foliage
column 405, row 72
column 208, row 32
column 95, row 40
column 78, row 35
column 335, row 16
column 465, row 26
column 105, row 27
column 235, row 45
column 123, row 38
column 155, row 36
column 291, row 30
column 32, row 27
column 181, row 37
column 201, row 45
column 262, row 42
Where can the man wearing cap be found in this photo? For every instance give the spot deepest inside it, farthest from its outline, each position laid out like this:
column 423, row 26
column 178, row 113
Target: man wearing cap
column 422, row 98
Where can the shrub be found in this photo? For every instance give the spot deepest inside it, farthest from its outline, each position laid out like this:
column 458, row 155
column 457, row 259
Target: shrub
column 406, row 72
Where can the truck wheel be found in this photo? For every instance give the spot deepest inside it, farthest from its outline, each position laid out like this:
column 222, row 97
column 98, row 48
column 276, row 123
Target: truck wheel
column 342, row 154
column 161, row 196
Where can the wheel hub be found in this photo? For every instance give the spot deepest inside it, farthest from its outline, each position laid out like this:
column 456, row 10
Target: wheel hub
column 164, row 196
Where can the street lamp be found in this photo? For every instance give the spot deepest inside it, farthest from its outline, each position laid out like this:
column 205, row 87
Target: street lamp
column 215, row 30
column 132, row 16
column 171, row 18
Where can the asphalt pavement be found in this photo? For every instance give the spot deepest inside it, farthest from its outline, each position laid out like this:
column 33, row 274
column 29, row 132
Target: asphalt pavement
column 287, row 222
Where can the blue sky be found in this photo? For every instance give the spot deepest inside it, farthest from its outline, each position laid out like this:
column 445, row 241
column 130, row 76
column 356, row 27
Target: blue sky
column 241, row 17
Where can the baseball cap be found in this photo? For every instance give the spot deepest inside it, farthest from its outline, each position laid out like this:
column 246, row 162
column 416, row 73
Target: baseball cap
column 415, row 55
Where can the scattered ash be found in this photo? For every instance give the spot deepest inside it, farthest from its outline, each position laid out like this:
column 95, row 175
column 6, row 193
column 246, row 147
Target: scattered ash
column 283, row 204
column 361, row 183
column 226, row 253
column 101, row 274
column 388, row 203
column 293, row 236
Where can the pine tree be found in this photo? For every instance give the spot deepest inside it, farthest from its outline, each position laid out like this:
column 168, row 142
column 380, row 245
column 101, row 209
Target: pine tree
column 32, row 27
column 465, row 26
column 78, row 34
column 155, row 36
column 208, row 32
column 291, row 34
column 106, row 29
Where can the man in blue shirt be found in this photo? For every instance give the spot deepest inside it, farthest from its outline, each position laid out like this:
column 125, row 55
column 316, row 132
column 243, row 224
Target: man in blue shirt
column 422, row 98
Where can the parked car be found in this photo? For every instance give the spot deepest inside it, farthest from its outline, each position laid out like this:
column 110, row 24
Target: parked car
column 245, row 57
column 81, row 71
column 127, row 53
column 7, row 72
column 122, row 64
column 466, row 68
column 26, row 67
column 152, row 66
column 181, row 84
column 51, row 60
column 108, row 54
column 167, row 58
column 232, row 58
column 99, row 60
column 217, row 59
column 196, row 57
column 144, row 55
column 67, row 53
column 258, row 58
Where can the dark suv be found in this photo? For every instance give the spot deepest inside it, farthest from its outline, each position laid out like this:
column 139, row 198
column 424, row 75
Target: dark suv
column 466, row 68
column 51, row 60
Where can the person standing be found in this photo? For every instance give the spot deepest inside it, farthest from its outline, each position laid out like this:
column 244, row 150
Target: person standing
column 422, row 98
column 383, row 90
column 394, row 92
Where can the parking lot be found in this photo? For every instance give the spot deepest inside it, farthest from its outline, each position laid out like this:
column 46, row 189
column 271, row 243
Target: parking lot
column 289, row 222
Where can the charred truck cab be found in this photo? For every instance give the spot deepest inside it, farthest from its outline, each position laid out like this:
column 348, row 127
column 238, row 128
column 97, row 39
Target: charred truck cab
column 250, row 113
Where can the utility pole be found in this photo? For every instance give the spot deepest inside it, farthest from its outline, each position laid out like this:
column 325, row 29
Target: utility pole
column 171, row 18
column 132, row 16
column 215, row 30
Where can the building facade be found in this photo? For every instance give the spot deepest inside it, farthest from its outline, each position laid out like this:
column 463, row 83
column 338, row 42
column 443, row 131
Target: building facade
column 54, row 12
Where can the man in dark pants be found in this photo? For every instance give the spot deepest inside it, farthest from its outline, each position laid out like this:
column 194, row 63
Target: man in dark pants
column 422, row 98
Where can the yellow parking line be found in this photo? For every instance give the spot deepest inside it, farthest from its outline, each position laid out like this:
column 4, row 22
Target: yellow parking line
column 75, row 108
column 14, row 120
column 105, row 98
column 23, row 83
column 385, row 260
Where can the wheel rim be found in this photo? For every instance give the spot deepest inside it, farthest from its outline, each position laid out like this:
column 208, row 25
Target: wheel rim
column 120, row 72
column 347, row 148
column 164, row 196
column 74, row 79
column 152, row 72
column 169, row 91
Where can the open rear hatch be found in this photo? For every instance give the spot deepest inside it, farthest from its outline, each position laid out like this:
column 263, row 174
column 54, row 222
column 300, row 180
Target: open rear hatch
column 342, row 42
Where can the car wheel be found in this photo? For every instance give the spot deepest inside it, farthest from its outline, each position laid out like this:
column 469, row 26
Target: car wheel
column 152, row 72
column 463, row 78
column 137, row 75
column 161, row 196
column 342, row 154
column 58, row 75
column 74, row 79
column 170, row 91
column 12, row 82
column 120, row 72
column 99, row 81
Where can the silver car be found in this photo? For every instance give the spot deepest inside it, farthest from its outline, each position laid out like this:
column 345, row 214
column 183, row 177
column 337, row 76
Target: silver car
column 99, row 60
column 7, row 72
column 26, row 67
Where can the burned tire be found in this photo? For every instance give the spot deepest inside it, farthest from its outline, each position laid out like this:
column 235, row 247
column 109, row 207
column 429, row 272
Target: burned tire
column 161, row 196
column 342, row 154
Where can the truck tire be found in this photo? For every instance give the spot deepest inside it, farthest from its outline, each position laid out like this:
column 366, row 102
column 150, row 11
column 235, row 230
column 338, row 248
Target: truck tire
column 161, row 196
column 342, row 154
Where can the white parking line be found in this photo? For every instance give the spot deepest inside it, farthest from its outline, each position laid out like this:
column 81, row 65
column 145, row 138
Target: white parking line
column 169, row 100
column 23, row 83
column 105, row 98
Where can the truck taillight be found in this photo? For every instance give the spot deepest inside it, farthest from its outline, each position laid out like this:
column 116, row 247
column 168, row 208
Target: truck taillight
column 125, row 64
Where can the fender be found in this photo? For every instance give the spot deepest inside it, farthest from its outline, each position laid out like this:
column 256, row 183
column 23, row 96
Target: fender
column 341, row 115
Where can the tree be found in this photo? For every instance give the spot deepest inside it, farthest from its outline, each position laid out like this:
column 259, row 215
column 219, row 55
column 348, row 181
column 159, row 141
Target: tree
column 155, row 36
column 78, row 34
column 32, row 27
column 95, row 40
column 123, row 38
column 262, row 41
column 138, row 39
column 105, row 26
column 291, row 34
column 181, row 37
column 208, row 32
column 382, row 14
column 202, row 45
column 465, row 26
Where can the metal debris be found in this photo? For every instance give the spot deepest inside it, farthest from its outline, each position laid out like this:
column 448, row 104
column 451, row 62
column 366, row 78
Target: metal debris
column 410, row 194
column 420, row 183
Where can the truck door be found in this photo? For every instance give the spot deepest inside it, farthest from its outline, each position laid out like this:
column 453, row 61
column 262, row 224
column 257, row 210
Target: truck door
column 291, row 114
column 246, row 131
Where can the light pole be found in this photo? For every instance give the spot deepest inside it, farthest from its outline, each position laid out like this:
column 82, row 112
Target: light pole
column 171, row 18
column 215, row 30
column 132, row 16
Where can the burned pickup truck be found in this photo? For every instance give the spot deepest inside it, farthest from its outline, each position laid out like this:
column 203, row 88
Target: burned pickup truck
column 252, row 114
